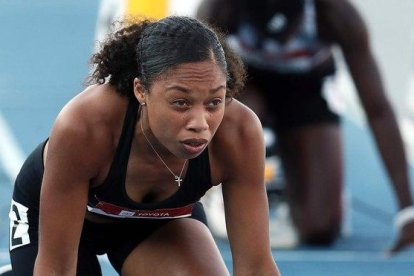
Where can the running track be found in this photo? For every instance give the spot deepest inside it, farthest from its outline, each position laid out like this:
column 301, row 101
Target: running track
column 43, row 61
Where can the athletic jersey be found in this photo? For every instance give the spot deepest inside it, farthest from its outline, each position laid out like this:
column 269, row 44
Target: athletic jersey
column 300, row 54
column 110, row 199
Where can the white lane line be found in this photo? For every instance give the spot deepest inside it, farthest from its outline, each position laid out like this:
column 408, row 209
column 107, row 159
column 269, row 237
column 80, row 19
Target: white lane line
column 11, row 155
column 5, row 268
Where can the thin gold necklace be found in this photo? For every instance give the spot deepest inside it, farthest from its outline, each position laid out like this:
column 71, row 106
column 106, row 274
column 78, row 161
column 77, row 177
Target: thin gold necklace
column 177, row 178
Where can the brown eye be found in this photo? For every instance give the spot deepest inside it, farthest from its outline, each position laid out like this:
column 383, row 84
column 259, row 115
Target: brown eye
column 215, row 102
column 180, row 103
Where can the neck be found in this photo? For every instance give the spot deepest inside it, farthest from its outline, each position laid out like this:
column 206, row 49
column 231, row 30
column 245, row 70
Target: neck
column 149, row 139
column 158, row 151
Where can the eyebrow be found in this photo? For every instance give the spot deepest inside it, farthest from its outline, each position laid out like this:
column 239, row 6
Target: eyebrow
column 185, row 90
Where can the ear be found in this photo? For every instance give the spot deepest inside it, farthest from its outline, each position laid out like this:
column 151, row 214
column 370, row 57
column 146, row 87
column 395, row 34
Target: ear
column 139, row 91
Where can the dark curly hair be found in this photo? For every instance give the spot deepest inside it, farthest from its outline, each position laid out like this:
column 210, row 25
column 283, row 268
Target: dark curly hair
column 146, row 49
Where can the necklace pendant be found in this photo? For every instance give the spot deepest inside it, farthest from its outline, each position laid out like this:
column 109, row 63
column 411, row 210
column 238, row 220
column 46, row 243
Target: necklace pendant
column 178, row 180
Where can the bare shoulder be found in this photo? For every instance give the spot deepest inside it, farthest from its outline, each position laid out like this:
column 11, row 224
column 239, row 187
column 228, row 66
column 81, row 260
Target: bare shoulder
column 239, row 119
column 239, row 137
column 97, row 106
column 89, row 123
column 339, row 21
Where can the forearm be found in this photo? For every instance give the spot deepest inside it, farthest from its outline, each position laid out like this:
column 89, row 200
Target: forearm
column 381, row 119
column 249, row 240
column 390, row 146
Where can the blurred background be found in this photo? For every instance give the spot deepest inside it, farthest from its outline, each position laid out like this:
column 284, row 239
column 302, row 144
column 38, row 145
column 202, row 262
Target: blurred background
column 44, row 52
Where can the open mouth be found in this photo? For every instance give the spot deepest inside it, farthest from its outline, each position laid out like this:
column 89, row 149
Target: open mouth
column 194, row 146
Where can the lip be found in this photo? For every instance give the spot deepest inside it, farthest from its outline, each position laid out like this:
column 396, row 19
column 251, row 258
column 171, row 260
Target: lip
column 194, row 146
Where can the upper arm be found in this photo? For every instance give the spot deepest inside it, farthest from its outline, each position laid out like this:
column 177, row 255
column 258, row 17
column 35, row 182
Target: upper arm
column 71, row 162
column 345, row 27
column 242, row 154
column 340, row 22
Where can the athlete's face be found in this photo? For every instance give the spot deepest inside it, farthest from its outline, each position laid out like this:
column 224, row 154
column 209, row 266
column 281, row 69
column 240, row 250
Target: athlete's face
column 184, row 107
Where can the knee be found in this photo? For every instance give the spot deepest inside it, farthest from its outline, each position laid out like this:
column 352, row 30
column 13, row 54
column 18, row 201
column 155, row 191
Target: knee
column 324, row 236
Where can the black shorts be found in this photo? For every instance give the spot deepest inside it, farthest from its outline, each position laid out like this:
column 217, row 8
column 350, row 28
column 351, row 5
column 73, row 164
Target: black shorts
column 292, row 100
column 117, row 239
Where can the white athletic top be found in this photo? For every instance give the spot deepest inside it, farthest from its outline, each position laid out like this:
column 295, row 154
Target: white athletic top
column 300, row 54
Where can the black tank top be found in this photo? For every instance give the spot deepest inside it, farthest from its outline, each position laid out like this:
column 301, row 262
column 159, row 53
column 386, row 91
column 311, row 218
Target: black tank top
column 110, row 199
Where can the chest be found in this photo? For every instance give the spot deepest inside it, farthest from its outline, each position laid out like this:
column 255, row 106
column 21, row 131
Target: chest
column 150, row 181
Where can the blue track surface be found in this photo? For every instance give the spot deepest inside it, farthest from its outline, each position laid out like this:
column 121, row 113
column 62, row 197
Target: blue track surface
column 44, row 50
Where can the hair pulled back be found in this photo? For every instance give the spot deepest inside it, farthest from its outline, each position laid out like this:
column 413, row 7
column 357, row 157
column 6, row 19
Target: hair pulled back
column 146, row 49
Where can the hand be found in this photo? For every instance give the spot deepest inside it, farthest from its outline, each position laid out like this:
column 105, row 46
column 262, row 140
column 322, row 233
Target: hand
column 405, row 239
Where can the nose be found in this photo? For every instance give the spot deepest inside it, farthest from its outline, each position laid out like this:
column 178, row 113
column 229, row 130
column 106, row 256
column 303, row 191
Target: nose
column 198, row 120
